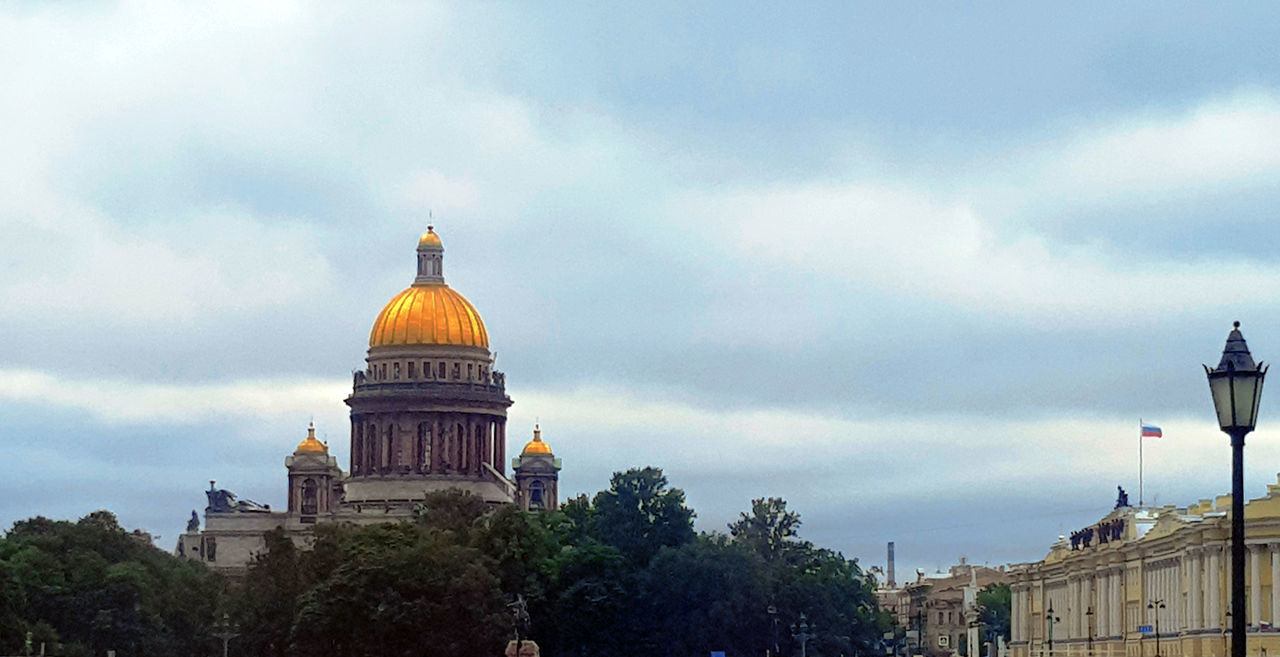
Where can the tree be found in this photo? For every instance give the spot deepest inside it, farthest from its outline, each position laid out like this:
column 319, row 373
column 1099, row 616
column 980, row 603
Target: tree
column 995, row 607
column 90, row 586
column 639, row 515
column 770, row 529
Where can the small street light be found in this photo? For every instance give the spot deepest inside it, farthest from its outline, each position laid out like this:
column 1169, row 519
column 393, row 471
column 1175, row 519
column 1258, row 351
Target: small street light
column 773, row 614
column 1156, row 606
column 1088, row 615
column 1236, row 386
column 800, row 631
column 1051, row 619
column 226, row 631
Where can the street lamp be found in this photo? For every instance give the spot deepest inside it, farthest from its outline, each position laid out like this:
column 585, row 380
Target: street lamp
column 1088, row 616
column 773, row 613
column 1236, row 386
column 1051, row 619
column 800, row 631
column 225, row 631
column 1156, row 605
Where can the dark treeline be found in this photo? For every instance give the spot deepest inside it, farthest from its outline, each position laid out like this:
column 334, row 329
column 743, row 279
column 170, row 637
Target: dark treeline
column 621, row 573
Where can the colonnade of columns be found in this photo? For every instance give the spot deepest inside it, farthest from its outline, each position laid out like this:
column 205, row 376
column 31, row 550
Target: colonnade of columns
column 1192, row 587
column 444, row 443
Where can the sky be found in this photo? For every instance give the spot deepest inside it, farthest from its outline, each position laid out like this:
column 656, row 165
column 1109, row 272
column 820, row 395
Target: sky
column 918, row 269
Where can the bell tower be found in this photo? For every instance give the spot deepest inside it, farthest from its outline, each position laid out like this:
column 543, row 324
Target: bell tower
column 537, row 473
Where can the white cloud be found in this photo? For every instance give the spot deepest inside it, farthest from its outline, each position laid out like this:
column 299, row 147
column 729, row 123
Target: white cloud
column 123, row 401
column 1222, row 142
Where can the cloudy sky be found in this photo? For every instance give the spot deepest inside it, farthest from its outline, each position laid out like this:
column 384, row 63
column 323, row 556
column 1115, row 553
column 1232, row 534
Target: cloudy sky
column 918, row 269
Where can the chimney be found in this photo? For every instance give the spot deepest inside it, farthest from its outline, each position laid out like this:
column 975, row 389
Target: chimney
column 891, row 584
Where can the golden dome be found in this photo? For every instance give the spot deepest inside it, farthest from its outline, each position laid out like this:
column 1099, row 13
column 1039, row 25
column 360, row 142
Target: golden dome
column 429, row 313
column 536, row 446
column 430, row 238
column 310, row 444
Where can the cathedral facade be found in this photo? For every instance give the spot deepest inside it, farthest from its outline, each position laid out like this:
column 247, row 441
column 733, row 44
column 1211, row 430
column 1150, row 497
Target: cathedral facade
column 428, row 413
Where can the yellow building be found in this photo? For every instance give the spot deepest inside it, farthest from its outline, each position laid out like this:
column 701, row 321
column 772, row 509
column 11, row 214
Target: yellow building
column 1143, row 582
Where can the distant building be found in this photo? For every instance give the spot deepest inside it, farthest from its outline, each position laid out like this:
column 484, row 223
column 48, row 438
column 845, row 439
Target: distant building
column 1142, row 575
column 934, row 609
column 428, row 413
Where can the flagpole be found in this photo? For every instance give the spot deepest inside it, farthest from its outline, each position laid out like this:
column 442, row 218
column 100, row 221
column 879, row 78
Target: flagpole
column 1139, row 462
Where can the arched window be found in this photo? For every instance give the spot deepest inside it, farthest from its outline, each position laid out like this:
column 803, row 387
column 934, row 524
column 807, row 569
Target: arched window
column 309, row 502
column 537, row 496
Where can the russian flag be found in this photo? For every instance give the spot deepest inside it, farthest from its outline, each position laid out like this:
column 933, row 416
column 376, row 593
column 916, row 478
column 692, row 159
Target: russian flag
column 1151, row 431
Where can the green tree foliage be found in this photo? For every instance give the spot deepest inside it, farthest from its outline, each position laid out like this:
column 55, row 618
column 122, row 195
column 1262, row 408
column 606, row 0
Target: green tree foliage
column 640, row 515
column 995, row 603
column 86, row 587
column 621, row 573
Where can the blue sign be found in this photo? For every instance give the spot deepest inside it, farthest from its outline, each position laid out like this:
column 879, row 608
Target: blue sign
column 1145, row 629
column 717, row 653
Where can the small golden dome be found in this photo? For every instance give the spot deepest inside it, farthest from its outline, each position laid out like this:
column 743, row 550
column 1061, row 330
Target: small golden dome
column 430, row 238
column 310, row 444
column 536, row 446
column 429, row 313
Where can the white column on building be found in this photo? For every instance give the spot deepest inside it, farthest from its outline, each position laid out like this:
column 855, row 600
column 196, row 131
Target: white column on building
column 1117, row 600
column 1104, row 604
column 1274, row 551
column 1214, row 590
column 1015, row 615
column 1195, row 597
column 1077, row 609
column 1255, row 584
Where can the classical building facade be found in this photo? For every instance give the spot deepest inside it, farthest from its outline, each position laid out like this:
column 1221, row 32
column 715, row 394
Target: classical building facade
column 938, row 612
column 1151, row 581
column 428, row 413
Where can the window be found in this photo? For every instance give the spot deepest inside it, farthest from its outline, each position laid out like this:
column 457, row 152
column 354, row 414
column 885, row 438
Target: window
column 382, row 372
column 471, row 375
column 395, row 371
column 411, row 372
column 441, row 371
column 309, row 503
column 536, row 495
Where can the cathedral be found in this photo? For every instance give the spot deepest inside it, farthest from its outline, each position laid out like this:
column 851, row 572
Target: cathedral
column 428, row 413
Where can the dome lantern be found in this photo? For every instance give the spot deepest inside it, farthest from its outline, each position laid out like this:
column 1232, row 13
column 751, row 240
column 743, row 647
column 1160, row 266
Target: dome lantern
column 430, row 258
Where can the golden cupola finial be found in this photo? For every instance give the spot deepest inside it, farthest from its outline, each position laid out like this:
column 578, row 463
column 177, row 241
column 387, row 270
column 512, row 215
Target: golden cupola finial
column 310, row 444
column 536, row 446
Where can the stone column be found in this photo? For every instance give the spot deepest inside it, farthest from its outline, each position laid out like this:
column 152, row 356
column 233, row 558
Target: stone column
column 1015, row 624
column 1275, row 583
column 1255, row 584
column 1117, row 597
column 1073, row 607
column 1214, row 589
column 1104, row 604
column 1195, row 595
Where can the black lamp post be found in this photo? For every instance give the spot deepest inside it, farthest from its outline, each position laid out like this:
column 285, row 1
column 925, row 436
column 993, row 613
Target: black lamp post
column 1156, row 606
column 1236, row 385
column 1088, row 615
column 773, row 613
column 1051, row 619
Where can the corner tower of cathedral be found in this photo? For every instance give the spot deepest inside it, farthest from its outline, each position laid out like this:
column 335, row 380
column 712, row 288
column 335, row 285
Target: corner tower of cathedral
column 428, row 412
